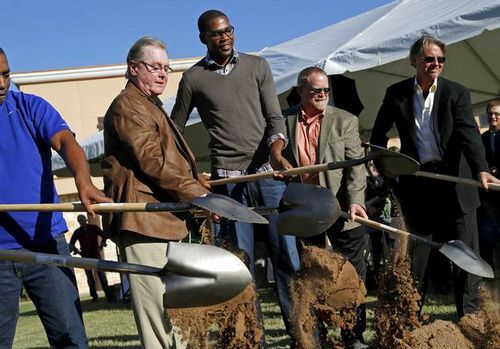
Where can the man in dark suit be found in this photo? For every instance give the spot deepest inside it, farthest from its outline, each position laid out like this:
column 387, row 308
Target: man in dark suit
column 434, row 120
column 488, row 215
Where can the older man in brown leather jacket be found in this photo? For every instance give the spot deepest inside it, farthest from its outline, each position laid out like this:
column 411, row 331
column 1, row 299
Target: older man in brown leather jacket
column 147, row 160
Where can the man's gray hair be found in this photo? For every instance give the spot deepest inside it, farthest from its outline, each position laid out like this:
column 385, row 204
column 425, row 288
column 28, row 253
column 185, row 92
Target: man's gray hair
column 303, row 78
column 417, row 49
column 136, row 52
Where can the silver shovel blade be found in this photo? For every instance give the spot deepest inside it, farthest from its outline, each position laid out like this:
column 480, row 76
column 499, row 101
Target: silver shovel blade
column 201, row 275
column 228, row 208
column 464, row 257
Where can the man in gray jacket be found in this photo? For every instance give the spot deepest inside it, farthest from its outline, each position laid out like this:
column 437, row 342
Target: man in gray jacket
column 320, row 133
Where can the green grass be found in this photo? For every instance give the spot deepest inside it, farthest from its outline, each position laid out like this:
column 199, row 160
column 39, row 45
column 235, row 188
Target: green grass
column 111, row 325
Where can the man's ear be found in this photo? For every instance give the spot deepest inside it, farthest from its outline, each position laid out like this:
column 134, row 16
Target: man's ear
column 202, row 38
column 413, row 62
column 132, row 69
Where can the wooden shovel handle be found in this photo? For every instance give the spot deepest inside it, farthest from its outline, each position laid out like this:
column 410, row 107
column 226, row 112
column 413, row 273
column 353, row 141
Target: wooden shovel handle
column 390, row 229
column 491, row 186
column 102, row 207
column 376, row 225
column 254, row 177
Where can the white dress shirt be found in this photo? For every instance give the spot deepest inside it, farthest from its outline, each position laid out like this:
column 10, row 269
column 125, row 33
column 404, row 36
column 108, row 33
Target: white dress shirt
column 422, row 110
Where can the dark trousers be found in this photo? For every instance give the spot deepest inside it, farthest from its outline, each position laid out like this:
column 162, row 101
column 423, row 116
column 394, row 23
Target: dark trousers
column 489, row 238
column 466, row 286
column 432, row 210
column 53, row 292
column 92, row 286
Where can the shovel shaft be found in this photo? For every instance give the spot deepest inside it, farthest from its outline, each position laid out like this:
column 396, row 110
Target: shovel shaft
column 23, row 256
column 395, row 164
column 467, row 181
column 293, row 171
column 103, row 207
column 388, row 228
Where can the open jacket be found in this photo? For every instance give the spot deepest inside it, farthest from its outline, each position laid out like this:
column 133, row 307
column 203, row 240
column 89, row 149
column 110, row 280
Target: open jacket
column 456, row 133
column 339, row 140
column 146, row 160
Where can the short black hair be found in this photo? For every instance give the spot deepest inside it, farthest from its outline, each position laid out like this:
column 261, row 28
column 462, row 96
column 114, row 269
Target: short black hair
column 207, row 16
column 2, row 52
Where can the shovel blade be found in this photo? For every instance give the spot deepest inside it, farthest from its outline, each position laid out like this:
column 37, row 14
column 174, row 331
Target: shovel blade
column 307, row 210
column 228, row 208
column 391, row 163
column 201, row 275
column 465, row 258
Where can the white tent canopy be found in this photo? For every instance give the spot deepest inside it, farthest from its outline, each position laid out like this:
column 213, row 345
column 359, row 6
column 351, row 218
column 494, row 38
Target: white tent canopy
column 373, row 48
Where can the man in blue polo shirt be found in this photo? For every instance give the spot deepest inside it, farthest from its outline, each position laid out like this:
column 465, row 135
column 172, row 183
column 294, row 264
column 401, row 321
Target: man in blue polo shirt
column 29, row 128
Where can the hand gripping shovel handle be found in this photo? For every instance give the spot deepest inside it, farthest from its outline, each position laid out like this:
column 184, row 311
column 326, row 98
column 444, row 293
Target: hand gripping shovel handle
column 467, row 181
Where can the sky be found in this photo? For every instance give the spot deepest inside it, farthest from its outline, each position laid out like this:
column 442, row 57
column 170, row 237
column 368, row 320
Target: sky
column 58, row 34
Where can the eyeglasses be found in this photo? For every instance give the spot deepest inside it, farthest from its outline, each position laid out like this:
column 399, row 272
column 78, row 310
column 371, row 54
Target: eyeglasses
column 318, row 90
column 156, row 69
column 430, row 59
column 494, row 113
column 216, row 34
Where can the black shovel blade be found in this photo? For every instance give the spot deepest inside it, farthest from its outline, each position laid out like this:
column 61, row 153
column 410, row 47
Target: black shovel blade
column 307, row 210
column 201, row 275
column 464, row 257
column 228, row 208
column 391, row 163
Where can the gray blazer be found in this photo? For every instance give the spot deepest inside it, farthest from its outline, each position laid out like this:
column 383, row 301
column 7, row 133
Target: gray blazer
column 339, row 140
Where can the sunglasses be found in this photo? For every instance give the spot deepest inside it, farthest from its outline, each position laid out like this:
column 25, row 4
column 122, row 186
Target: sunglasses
column 430, row 59
column 216, row 34
column 318, row 90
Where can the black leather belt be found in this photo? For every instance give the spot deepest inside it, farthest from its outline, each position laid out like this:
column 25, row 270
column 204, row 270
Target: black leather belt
column 433, row 166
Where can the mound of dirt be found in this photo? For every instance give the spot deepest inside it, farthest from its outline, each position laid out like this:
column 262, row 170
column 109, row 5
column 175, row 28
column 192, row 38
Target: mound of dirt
column 479, row 330
column 440, row 335
column 325, row 293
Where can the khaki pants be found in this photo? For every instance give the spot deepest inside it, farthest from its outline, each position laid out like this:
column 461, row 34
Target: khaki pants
column 153, row 325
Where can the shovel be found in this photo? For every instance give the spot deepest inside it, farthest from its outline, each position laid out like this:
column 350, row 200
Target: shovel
column 455, row 250
column 194, row 276
column 389, row 163
column 218, row 204
column 305, row 210
column 467, row 181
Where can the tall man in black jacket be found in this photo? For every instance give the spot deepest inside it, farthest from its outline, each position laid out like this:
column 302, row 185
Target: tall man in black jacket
column 434, row 120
